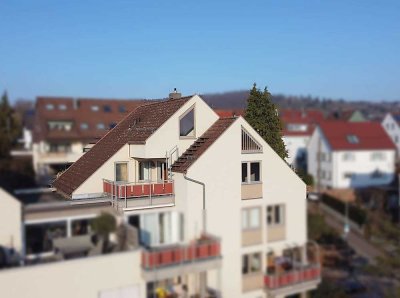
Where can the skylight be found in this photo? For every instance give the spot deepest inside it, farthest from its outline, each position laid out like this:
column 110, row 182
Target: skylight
column 353, row 139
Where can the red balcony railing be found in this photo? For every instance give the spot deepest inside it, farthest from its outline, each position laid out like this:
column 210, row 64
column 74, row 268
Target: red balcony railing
column 295, row 276
column 138, row 189
column 198, row 250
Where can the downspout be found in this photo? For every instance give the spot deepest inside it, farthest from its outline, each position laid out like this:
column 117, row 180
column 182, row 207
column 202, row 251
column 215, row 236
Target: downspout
column 204, row 199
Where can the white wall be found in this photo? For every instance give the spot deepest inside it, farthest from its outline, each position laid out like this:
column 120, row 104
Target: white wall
column 220, row 169
column 81, row 278
column 392, row 128
column 11, row 218
column 295, row 145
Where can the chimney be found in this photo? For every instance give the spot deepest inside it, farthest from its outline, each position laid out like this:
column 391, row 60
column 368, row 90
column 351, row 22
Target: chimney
column 175, row 94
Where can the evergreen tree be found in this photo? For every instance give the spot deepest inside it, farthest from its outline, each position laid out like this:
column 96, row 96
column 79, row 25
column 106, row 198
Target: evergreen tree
column 9, row 127
column 262, row 115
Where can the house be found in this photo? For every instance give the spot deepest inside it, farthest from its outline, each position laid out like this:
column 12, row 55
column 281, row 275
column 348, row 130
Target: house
column 298, row 127
column 64, row 127
column 209, row 201
column 351, row 155
column 172, row 169
column 391, row 125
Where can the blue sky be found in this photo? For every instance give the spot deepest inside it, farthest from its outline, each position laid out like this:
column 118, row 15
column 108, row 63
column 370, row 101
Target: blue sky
column 132, row 49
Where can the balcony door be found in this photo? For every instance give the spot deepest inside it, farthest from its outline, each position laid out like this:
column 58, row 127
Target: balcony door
column 162, row 173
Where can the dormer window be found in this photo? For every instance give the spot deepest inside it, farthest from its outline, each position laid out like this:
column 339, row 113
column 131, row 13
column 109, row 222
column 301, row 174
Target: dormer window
column 62, row 107
column 353, row 139
column 187, row 124
column 107, row 109
column 49, row 107
column 95, row 108
column 101, row 126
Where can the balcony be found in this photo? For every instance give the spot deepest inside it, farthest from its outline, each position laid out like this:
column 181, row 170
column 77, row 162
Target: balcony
column 304, row 278
column 140, row 195
column 164, row 262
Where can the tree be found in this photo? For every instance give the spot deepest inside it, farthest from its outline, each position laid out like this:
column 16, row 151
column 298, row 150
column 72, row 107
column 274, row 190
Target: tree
column 103, row 225
column 262, row 115
column 9, row 127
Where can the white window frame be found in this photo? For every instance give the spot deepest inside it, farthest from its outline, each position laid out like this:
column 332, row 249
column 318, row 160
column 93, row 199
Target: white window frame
column 249, row 171
column 282, row 215
column 192, row 108
column 249, row 257
column 246, row 218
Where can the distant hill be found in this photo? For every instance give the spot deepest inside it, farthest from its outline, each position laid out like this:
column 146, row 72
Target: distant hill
column 237, row 100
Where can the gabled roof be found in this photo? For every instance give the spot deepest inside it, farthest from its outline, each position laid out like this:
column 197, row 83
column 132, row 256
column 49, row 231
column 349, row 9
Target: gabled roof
column 202, row 144
column 302, row 117
column 135, row 128
column 79, row 111
column 226, row 113
column 368, row 135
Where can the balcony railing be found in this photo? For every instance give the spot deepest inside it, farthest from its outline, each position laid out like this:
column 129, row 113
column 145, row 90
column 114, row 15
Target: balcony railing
column 139, row 194
column 207, row 248
column 293, row 277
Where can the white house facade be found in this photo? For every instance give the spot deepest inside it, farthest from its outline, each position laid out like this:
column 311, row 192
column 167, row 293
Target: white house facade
column 351, row 155
column 391, row 125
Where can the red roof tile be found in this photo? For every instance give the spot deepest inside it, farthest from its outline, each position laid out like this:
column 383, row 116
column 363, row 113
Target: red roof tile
column 370, row 135
column 202, row 144
column 229, row 113
column 134, row 128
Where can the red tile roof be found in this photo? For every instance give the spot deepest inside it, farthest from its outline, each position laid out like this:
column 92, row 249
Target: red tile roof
column 79, row 111
column 371, row 135
column 201, row 144
column 307, row 117
column 226, row 113
column 134, row 128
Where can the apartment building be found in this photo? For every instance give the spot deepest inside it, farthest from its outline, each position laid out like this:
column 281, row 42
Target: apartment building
column 207, row 196
column 298, row 126
column 351, row 155
column 390, row 124
column 64, row 127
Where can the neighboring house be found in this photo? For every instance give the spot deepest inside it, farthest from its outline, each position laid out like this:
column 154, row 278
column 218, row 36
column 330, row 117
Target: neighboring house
column 348, row 115
column 64, row 126
column 187, row 179
column 298, row 127
column 224, row 113
column 351, row 155
column 391, row 124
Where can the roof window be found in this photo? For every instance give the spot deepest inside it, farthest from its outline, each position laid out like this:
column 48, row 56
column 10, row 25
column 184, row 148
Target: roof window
column 353, row 139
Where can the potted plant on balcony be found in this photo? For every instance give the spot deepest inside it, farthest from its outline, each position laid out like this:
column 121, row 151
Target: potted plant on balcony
column 103, row 225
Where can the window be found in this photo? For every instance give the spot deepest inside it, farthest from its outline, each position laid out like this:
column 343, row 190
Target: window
column 144, row 170
column 62, row 107
column 100, row 126
column 251, row 218
column 249, row 144
column 112, row 125
column 122, row 109
column 377, row 156
column 107, row 109
column 80, row 227
column 296, row 127
column 396, row 139
column 95, row 108
column 353, row 139
column 121, row 171
column 186, row 125
column 59, row 148
column 251, row 263
column 275, row 215
column 348, row 175
column 60, row 125
column 349, row 156
column 49, row 107
column 84, row 126
column 251, row 172
column 161, row 171
column 39, row 237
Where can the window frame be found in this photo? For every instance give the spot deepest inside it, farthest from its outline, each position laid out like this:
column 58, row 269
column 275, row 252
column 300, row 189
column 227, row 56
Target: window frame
column 248, row 180
column 282, row 215
column 192, row 108
column 127, row 170
column 247, row 260
column 246, row 213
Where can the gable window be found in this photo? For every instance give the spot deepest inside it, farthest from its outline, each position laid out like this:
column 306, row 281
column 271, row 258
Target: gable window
column 251, row 172
column 107, row 109
column 251, row 218
column 276, row 215
column 353, row 139
column 187, row 125
column 121, row 171
column 249, row 144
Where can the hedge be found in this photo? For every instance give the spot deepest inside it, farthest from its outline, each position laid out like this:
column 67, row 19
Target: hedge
column 356, row 214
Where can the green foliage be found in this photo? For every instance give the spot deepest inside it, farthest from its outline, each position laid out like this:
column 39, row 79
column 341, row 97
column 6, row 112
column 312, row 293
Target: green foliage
column 317, row 227
column 104, row 224
column 356, row 214
column 307, row 178
column 262, row 115
column 9, row 127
